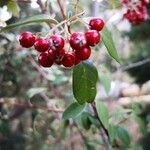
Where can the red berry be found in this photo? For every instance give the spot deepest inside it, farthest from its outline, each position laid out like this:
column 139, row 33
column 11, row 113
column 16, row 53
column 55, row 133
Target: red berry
column 59, row 56
column 56, row 42
column 27, row 39
column 77, row 60
column 78, row 40
column 96, row 24
column 46, row 59
column 84, row 53
column 52, row 53
column 41, row 45
column 93, row 37
column 68, row 59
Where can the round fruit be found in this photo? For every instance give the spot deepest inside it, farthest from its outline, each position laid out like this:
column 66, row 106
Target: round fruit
column 46, row 59
column 78, row 40
column 84, row 53
column 77, row 60
column 52, row 53
column 56, row 42
column 96, row 24
column 68, row 59
column 93, row 37
column 41, row 45
column 27, row 39
column 59, row 56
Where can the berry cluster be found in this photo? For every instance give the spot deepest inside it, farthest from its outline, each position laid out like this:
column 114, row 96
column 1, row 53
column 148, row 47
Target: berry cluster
column 52, row 49
column 136, row 10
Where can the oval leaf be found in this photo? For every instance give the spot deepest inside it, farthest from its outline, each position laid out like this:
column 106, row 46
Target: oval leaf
column 112, row 130
column 102, row 113
column 85, row 77
column 106, row 82
column 73, row 110
column 124, row 136
column 109, row 44
column 30, row 20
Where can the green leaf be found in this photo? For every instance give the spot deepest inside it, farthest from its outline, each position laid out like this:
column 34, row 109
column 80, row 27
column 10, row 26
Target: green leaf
column 123, row 135
column 13, row 8
column 30, row 20
column 73, row 110
column 85, row 120
column 85, row 77
column 109, row 44
column 102, row 113
column 112, row 130
column 106, row 81
column 120, row 114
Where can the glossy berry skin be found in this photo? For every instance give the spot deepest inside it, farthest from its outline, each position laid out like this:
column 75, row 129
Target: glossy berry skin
column 27, row 39
column 56, row 42
column 78, row 40
column 83, row 54
column 93, row 37
column 41, row 45
column 96, row 24
column 68, row 59
column 52, row 53
column 46, row 59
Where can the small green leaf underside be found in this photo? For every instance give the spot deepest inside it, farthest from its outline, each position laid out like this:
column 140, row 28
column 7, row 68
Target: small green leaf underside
column 109, row 44
column 102, row 112
column 124, row 136
column 30, row 20
column 85, row 77
column 73, row 110
column 106, row 81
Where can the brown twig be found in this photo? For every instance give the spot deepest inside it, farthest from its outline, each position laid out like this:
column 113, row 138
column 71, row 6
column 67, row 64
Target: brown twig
column 23, row 1
column 103, row 130
column 79, row 131
column 63, row 14
column 43, row 6
column 30, row 106
column 61, row 9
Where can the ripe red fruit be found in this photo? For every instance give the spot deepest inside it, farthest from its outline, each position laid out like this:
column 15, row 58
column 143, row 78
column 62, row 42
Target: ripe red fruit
column 84, row 53
column 96, row 24
column 26, row 39
column 56, row 42
column 78, row 40
column 68, row 59
column 77, row 60
column 93, row 37
column 41, row 45
column 46, row 59
column 59, row 56
column 52, row 53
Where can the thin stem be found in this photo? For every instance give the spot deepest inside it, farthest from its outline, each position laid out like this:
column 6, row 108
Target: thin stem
column 103, row 130
column 62, row 9
column 79, row 131
column 77, row 1
column 65, row 21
